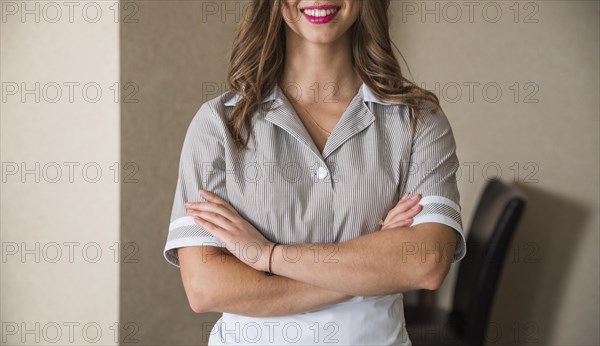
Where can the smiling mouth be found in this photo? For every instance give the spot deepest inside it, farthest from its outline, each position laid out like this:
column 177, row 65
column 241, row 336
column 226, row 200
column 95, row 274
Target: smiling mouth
column 320, row 11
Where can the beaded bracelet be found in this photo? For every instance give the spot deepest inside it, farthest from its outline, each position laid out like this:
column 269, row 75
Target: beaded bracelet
column 269, row 272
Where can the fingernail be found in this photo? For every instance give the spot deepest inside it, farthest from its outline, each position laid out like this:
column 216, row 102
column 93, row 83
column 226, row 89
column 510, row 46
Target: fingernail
column 415, row 196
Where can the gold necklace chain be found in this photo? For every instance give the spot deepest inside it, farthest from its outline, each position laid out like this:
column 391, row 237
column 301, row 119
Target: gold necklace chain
column 311, row 117
column 314, row 121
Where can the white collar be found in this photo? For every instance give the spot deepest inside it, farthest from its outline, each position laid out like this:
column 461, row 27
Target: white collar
column 368, row 96
column 272, row 96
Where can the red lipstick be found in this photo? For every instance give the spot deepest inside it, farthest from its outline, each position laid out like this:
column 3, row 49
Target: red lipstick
column 320, row 14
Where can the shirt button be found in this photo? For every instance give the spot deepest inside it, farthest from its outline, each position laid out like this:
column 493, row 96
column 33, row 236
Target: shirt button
column 322, row 172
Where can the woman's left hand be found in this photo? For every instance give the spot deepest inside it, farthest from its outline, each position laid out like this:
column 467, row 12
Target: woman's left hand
column 240, row 237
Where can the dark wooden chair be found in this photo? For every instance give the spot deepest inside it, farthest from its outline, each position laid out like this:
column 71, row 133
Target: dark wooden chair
column 497, row 215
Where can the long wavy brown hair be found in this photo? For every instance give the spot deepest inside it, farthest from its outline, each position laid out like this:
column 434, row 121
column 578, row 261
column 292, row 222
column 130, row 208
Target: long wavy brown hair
column 258, row 53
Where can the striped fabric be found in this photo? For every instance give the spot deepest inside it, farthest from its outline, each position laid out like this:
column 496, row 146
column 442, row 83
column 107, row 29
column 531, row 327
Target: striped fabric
column 293, row 193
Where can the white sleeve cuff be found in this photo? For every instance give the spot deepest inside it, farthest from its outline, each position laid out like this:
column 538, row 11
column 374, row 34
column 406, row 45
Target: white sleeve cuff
column 184, row 232
column 443, row 210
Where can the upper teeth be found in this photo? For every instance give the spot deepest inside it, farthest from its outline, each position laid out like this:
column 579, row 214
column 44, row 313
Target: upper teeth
column 320, row 13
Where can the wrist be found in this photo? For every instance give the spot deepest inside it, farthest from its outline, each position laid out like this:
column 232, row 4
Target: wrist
column 269, row 268
column 279, row 258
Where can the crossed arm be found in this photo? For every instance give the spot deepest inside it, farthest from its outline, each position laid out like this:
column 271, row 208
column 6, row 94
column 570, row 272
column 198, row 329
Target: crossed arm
column 234, row 287
column 390, row 261
column 309, row 276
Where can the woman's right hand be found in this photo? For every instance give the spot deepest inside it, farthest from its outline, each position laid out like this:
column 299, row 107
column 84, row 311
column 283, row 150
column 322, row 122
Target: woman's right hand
column 403, row 213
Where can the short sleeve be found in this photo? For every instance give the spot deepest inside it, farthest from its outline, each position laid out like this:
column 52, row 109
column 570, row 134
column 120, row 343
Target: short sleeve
column 432, row 173
column 201, row 166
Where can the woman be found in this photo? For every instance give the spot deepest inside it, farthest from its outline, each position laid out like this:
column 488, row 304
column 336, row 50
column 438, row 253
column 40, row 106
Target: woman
column 286, row 180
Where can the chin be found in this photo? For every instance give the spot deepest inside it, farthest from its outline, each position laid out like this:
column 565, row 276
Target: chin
column 320, row 38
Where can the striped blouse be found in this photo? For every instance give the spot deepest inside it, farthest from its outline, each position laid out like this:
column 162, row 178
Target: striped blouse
column 293, row 193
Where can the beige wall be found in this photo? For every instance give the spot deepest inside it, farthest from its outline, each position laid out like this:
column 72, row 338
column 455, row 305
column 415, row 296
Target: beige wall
column 549, row 290
column 47, row 292
column 173, row 54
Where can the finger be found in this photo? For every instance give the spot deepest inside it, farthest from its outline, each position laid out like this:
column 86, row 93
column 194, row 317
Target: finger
column 408, row 202
column 213, row 208
column 403, row 223
column 211, row 228
column 412, row 200
column 211, row 197
column 406, row 215
column 412, row 212
column 393, row 224
column 401, row 213
column 404, row 196
column 216, row 219
column 404, row 206
column 208, row 206
column 402, row 199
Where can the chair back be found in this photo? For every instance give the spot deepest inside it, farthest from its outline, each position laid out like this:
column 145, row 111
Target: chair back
column 497, row 215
